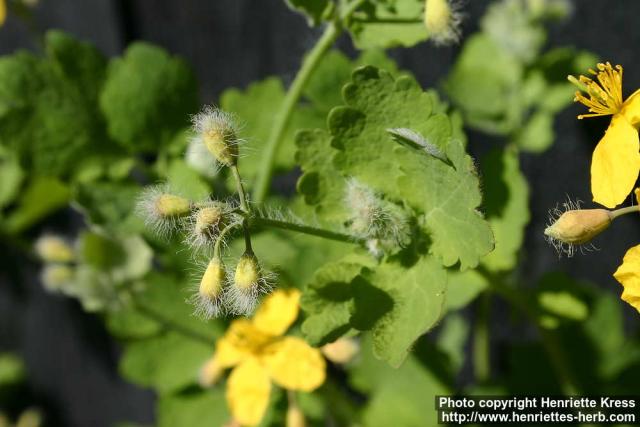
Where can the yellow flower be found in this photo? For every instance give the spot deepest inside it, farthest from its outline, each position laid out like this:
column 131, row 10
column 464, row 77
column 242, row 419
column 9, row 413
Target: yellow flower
column 628, row 274
column 3, row 12
column 616, row 161
column 260, row 354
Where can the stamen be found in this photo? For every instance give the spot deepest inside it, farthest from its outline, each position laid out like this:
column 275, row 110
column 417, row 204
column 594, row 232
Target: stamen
column 604, row 95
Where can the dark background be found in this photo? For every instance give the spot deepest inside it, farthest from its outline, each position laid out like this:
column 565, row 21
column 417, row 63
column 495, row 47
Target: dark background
column 71, row 359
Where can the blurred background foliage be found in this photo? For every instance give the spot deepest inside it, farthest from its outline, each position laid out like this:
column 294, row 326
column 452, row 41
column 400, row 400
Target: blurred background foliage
column 83, row 124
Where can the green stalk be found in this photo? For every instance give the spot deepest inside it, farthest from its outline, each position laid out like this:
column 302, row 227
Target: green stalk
column 305, row 229
column 623, row 211
column 481, row 360
column 283, row 116
column 240, row 189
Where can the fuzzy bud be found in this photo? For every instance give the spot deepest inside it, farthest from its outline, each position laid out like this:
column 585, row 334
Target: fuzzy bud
column 162, row 210
column 249, row 282
column 208, row 300
column 54, row 249
column 218, row 132
column 579, row 226
column 247, row 271
column 172, row 206
column 442, row 19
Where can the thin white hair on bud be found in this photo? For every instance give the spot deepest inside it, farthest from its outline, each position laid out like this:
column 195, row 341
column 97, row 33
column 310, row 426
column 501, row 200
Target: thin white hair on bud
column 383, row 224
column 204, row 306
column 197, row 157
column 443, row 19
column 212, row 119
column 201, row 235
column 564, row 248
column 243, row 302
column 410, row 137
column 147, row 209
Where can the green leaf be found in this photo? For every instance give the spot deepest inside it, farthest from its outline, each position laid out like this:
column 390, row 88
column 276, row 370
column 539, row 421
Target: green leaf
column 147, row 97
column 448, row 197
column 166, row 362
column 193, row 408
column 328, row 302
column 452, row 338
column 48, row 108
column 127, row 323
column 12, row 369
column 373, row 24
column 410, row 301
column 42, row 196
column 110, row 205
column 11, row 177
column 315, row 10
column 506, row 206
column 463, row 287
column 186, row 181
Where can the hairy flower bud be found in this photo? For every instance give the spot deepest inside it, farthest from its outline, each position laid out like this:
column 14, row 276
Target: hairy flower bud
column 57, row 277
column 52, row 248
column 579, row 226
column 208, row 300
column 249, row 282
column 218, row 132
column 161, row 209
column 442, row 19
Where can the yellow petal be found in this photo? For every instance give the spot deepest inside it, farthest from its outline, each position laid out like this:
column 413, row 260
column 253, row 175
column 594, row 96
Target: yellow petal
column 241, row 341
column 637, row 194
column 628, row 274
column 615, row 163
column 3, row 11
column 294, row 365
column 631, row 109
column 278, row 311
column 248, row 391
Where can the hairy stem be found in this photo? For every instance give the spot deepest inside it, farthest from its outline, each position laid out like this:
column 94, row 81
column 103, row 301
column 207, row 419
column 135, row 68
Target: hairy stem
column 240, row 189
column 305, row 229
column 220, row 239
column 283, row 116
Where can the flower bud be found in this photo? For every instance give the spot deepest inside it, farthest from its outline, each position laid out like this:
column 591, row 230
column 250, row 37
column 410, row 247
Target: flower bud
column 56, row 277
column 172, row 206
column 341, row 351
column 208, row 300
column 54, row 249
column 161, row 210
column 295, row 416
column 249, row 281
column 442, row 20
column 210, row 373
column 217, row 131
column 579, row 226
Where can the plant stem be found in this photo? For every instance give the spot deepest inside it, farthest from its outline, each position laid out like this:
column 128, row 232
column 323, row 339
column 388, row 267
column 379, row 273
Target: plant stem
column 387, row 20
column 171, row 325
column 220, row 239
column 305, row 229
column 481, row 361
column 623, row 211
column 240, row 189
column 283, row 116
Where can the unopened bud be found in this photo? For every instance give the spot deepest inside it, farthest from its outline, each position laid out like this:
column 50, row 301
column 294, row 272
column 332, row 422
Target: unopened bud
column 208, row 301
column 295, row 416
column 54, row 249
column 579, row 226
column 210, row 373
column 56, row 277
column 341, row 351
column 249, row 282
column 442, row 20
column 218, row 132
column 172, row 206
column 247, row 271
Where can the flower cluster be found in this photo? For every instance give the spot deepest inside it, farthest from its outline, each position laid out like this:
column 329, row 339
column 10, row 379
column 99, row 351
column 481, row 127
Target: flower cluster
column 207, row 223
column 614, row 170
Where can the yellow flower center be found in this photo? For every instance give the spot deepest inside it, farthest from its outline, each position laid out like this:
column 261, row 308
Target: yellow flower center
column 604, row 96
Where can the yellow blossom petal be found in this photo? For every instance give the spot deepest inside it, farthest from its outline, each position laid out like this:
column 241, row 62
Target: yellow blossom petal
column 615, row 163
column 294, row 365
column 241, row 341
column 631, row 109
column 637, row 194
column 3, row 11
column 248, row 391
column 628, row 274
column 278, row 311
